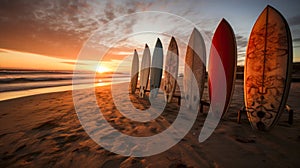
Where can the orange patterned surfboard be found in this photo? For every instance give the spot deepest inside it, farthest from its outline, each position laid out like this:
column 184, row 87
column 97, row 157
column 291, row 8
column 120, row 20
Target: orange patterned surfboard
column 267, row 69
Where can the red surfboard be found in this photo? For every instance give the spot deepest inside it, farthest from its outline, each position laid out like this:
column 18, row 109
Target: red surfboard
column 223, row 57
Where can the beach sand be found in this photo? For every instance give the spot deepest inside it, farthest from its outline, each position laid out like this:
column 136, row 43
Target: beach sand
column 44, row 131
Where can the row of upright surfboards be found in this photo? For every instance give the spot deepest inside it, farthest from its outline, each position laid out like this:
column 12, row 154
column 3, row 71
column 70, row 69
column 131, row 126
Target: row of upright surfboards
column 267, row 73
column 154, row 72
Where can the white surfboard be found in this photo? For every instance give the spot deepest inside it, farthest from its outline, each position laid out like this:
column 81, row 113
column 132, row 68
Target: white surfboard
column 194, row 69
column 134, row 72
column 145, row 70
column 171, row 70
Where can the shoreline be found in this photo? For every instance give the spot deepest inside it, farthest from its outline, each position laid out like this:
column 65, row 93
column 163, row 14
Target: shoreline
column 9, row 95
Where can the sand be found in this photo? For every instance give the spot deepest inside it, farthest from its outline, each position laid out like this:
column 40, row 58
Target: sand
column 44, row 131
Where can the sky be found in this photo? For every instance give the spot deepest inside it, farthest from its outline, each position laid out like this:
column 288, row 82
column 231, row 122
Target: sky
column 55, row 34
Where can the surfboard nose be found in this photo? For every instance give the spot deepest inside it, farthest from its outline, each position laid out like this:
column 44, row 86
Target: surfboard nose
column 158, row 43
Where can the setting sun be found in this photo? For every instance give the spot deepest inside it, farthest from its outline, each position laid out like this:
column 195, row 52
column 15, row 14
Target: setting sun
column 102, row 69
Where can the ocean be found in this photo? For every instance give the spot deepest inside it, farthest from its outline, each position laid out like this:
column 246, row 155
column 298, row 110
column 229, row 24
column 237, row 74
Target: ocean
column 20, row 83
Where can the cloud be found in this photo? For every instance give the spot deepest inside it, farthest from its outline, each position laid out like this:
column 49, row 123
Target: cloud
column 294, row 21
column 109, row 10
column 73, row 63
column 3, row 51
column 296, row 40
column 241, row 41
column 60, row 28
column 44, row 27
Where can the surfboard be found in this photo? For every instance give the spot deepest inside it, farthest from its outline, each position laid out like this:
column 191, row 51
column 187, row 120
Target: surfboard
column 194, row 68
column 223, row 53
column 134, row 72
column 156, row 69
column 267, row 73
column 145, row 70
column 171, row 70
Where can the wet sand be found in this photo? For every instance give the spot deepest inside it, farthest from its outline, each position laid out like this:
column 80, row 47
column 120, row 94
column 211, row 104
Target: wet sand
column 44, row 131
